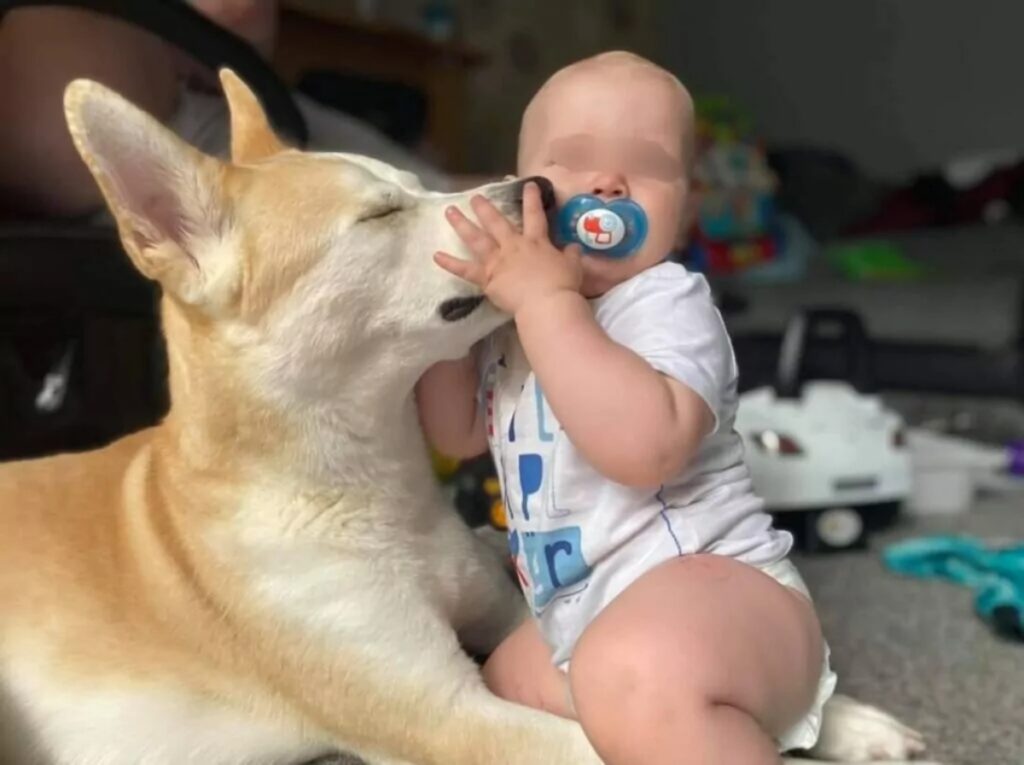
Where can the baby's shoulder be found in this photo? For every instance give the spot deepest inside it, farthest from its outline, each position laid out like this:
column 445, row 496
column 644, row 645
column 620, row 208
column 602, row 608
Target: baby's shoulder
column 667, row 288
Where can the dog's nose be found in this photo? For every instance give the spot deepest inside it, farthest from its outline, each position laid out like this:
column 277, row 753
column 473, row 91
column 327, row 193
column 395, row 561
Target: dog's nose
column 547, row 191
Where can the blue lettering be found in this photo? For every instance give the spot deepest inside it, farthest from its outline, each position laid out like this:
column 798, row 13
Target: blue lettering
column 556, row 563
column 550, row 551
column 531, row 478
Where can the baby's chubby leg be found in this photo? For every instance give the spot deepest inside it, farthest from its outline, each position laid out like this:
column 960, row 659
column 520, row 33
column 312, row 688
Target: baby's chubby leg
column 520, row 670
column 703, row 659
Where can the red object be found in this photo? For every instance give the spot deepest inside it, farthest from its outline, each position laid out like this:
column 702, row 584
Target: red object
column 930, row 201
column 732, row 257
column 592, row 225
column 523, row 581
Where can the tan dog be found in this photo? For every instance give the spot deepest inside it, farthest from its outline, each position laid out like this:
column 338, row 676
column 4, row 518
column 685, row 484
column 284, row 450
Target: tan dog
column 269, row 575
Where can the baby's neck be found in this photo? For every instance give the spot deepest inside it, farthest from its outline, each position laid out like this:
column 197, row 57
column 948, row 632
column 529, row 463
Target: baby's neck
column 597, row 286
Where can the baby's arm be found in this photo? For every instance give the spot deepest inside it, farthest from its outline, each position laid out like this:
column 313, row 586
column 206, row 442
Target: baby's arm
column 634, row 424
column 446, row 397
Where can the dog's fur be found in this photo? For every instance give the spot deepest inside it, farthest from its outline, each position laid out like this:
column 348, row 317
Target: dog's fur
column 270, row 574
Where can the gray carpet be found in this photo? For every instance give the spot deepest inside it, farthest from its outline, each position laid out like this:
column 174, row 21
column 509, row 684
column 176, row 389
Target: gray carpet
column 916, row 649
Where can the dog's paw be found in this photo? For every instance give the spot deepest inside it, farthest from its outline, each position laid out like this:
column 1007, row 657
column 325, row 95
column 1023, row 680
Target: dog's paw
column 855, row 732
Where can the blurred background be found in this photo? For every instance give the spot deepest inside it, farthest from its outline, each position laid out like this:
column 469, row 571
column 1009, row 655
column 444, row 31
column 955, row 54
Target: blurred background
column 861, row 174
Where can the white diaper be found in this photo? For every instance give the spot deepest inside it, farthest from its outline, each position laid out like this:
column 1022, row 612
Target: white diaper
column 804, row 734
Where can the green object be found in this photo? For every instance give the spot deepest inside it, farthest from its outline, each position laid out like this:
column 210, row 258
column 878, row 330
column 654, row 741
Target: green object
column 723, row 118
column 872, row 260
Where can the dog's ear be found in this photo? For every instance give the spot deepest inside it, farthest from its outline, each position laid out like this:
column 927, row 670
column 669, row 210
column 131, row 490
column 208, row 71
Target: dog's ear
column 252, row 138
column 166, row 196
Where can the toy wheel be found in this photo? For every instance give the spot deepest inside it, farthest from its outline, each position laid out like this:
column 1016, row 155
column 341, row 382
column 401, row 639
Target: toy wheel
column 839, row 527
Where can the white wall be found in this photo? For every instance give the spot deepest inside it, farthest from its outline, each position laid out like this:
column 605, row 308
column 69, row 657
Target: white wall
column 896, row 84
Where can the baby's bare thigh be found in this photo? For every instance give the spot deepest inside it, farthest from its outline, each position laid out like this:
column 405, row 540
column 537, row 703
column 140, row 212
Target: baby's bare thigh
column 520, row 670
column 710, row 629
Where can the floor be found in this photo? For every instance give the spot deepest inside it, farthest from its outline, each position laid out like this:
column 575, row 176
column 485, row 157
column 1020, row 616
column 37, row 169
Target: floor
column 916, row 649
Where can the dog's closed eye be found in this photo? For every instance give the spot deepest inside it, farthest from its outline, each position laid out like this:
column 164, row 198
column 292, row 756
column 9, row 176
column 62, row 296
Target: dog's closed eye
column 379, row 212
column 384, row 205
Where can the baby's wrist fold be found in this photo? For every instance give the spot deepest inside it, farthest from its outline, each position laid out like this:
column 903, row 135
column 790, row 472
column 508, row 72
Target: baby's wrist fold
column 548, row 303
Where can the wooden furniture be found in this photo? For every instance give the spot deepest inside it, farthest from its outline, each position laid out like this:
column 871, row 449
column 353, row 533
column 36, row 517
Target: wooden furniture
column 314, row 37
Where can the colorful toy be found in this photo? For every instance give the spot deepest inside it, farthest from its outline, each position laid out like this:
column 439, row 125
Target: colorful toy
column 737, row 222
column 720, row 119
column 476, row 489
column 737, row 191
column 445, row 468
column 498, row 518
column 729, row 257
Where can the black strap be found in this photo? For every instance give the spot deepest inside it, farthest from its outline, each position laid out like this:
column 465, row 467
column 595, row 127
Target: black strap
column 803, row 329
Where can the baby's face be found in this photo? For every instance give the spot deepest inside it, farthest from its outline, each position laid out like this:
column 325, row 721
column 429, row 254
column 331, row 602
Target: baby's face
column 614, row 132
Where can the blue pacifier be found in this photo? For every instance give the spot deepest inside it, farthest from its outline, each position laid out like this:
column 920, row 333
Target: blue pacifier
column 614, row 229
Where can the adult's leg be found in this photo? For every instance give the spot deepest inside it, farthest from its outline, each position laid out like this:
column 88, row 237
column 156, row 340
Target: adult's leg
column 41, row 50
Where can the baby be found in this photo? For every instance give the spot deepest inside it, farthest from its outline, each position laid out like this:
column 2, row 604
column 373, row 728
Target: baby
column 668, row 620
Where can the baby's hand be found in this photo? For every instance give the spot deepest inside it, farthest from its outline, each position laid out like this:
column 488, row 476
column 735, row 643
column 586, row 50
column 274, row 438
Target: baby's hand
column 512, row 268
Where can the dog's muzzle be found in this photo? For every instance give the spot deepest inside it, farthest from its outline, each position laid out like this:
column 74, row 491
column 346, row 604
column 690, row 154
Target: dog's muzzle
column 459, row 308
column 511, row 202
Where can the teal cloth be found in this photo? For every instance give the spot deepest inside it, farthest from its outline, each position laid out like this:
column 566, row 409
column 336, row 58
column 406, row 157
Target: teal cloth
column 994, row 574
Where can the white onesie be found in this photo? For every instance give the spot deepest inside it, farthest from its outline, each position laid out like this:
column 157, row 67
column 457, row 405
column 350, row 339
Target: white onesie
column 578, row 539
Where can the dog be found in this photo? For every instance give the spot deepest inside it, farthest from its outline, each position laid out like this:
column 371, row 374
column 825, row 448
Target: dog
column 270, row 574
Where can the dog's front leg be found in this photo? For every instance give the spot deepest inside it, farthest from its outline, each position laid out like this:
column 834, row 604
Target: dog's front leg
column 404, row 691
column 482, row 729
column 484, row 603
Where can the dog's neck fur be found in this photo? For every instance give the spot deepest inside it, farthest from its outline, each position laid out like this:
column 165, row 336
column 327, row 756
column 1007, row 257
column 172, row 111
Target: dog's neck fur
column 367, row 434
